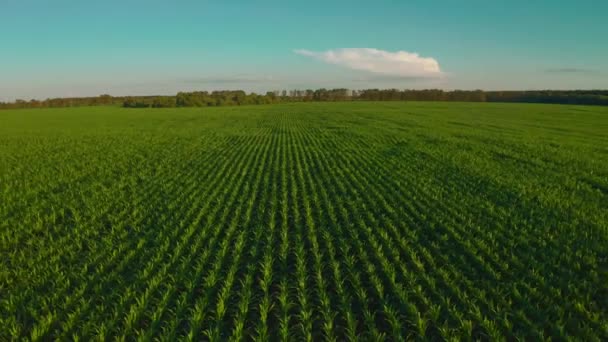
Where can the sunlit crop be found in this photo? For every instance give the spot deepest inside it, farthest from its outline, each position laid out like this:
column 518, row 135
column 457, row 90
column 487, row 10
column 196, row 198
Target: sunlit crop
column 310, row 221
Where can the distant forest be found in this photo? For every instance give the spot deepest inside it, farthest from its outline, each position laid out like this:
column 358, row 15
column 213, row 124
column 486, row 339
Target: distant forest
column 239, row 97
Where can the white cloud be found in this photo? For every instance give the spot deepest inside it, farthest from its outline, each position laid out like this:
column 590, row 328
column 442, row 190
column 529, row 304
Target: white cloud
column 399, row 63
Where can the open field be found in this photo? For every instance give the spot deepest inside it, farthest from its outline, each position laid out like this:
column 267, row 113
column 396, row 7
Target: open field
column 305, row 221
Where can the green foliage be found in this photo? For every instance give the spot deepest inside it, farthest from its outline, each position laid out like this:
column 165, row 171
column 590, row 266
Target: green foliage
column 164, row 102
column 239, row 98
column 304, row 221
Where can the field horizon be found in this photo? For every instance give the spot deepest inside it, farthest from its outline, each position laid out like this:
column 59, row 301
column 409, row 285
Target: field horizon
column 304, row 171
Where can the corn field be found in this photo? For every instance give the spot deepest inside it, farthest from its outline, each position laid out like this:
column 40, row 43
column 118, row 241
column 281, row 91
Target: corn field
column 298, row 222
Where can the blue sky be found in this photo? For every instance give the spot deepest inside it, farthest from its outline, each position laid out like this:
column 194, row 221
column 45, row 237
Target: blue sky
column 81, row 48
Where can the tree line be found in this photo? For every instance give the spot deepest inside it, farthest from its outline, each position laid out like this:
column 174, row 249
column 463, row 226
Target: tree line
column 102, row 100
column 239, row 97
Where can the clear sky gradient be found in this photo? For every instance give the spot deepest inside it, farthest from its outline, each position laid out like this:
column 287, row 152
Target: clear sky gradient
column 82, row 48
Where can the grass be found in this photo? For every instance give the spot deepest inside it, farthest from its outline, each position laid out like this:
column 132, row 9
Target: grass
column 332, row 221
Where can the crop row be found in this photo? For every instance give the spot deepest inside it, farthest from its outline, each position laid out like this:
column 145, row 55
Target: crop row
column 296, row 226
